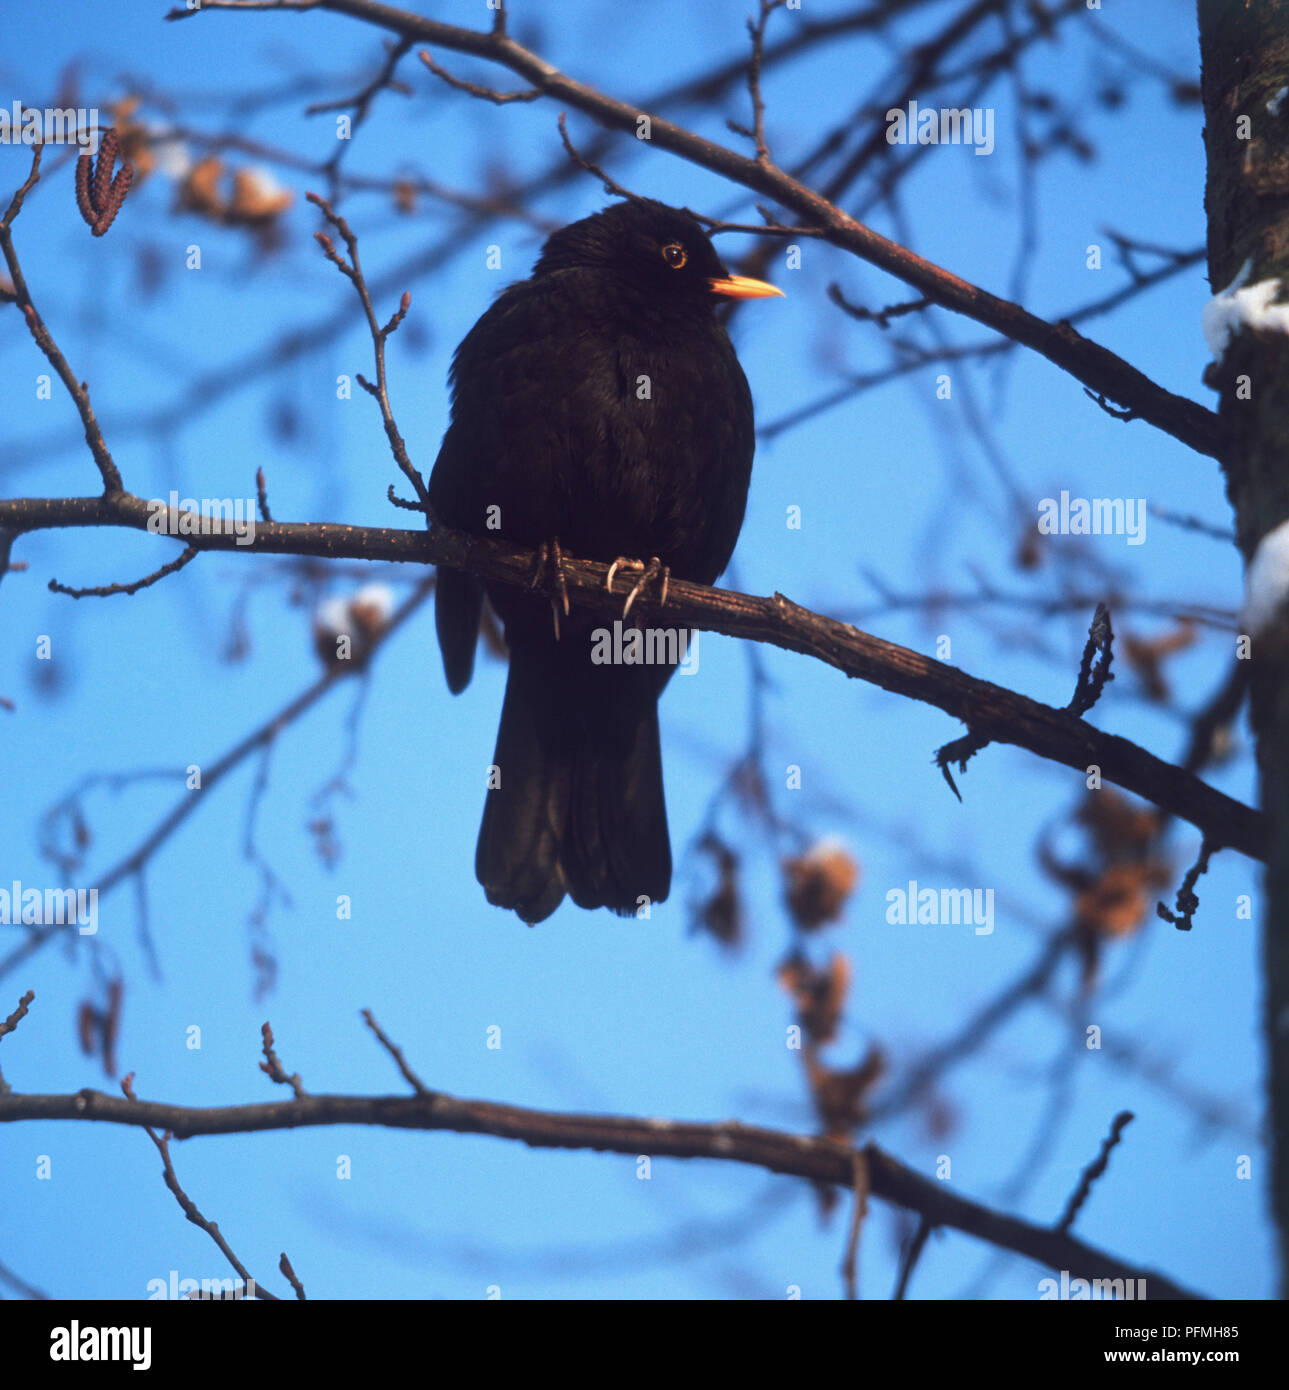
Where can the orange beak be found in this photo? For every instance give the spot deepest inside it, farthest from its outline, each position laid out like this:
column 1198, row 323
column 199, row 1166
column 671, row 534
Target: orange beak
column 743, row 287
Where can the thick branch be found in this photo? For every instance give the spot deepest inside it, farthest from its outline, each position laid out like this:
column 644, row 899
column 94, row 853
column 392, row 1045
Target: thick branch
column 820, row 1160
column 994, row 713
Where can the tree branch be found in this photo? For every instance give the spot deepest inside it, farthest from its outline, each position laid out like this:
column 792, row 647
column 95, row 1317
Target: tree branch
column 797, row 1155
column 991, row 712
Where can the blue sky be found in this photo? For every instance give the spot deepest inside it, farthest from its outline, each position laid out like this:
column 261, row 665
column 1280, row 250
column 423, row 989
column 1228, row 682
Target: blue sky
column 596, row 1013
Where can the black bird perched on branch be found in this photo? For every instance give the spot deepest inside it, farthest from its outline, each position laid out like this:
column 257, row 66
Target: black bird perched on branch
column 599, row 407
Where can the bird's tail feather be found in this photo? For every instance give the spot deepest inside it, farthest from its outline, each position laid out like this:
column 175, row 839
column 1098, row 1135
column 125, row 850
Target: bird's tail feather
column 617, row 852
column 577, row 806
column 458, row 605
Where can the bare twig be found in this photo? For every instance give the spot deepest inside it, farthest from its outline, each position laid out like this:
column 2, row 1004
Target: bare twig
column 483, row 93
column 21, row 296
column 20, row 1285
column 18, row 1014
column 107, row 590
column 10, row 1024
column 396, row 1053
column 284, row 1265
column 1094, row 1170
column 610, row 185
column 1091, row 682
column 1187, row 899
column 881, row 317
column 189, row 1207
column 1093, row 678
column 1193, row 523
column 352, row 270
column 262, row 495
column 360, row 102
column 756, row 29
column 272, row 1067
column 858, row 1210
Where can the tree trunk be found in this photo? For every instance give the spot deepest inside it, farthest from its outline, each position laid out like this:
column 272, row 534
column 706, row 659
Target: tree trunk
column 1245, row 53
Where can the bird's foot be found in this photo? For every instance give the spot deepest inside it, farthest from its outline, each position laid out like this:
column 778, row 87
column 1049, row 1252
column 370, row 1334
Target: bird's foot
column 550, row 557
column 652, row 570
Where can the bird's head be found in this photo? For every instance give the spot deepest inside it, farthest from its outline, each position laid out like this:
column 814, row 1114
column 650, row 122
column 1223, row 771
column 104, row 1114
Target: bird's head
column 651, row 249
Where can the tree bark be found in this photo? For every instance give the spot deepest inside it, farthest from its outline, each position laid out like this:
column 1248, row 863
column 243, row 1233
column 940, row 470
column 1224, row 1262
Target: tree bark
column 1245, row 53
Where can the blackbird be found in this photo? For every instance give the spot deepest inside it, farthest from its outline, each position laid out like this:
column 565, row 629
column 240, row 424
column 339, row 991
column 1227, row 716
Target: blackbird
column 597, row 407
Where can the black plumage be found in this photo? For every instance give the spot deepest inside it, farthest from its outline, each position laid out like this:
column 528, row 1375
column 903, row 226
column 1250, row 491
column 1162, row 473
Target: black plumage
column 599, row 404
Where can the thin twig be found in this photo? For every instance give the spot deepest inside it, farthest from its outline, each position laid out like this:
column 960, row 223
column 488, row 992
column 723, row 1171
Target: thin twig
column 756, row 28
column 396, row 1053
column 483, row 93
column 272, row 1066
column 1094, row 669
column 881, row 317
column 284, row 1265
column 189, row 1207
column 611, row 185
column 107, row 590
column 18, row 1014
column 10, row 1024
column 45, row 341
column 352, row 270
column 262, row 495
column 859, row 1209
column 1094, row 1170
column 1187, row 899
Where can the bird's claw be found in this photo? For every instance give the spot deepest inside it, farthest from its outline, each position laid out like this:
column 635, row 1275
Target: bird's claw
column 549, row 556
column 650, row 570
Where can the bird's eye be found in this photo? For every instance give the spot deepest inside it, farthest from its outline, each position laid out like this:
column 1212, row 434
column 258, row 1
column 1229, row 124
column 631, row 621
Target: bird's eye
column 675, row 254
